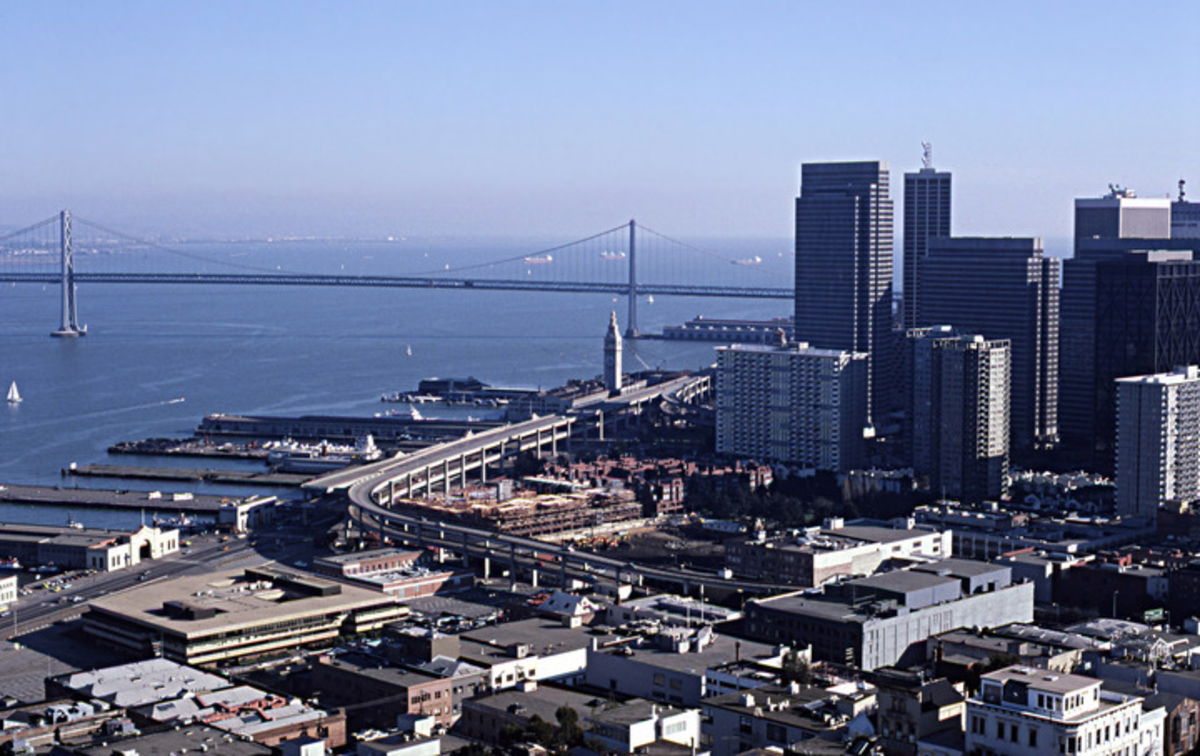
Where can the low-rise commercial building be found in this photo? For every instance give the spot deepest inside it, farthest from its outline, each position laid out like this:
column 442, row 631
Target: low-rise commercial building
column 634, row 726
column 885, row 619
column 533, row 649
column 162, row 692
column 1023, row 710
column 486, row 717
column 785, row 719
column 235, row 614
column 672, row 666
column 913, row 708
column 817, row 555
column 85, row 548
column 373, row 694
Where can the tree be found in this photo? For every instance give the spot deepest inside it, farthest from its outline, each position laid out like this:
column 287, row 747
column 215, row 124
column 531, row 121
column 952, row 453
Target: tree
column 570, row 734
column 795, row 669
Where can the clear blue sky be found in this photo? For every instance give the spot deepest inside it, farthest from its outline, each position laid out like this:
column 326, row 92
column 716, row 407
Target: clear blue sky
column 559, row 118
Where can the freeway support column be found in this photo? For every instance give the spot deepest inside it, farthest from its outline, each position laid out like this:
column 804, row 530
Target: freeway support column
column 466, row 551
column 483, row 465
column 512, row 565
column 446, row 476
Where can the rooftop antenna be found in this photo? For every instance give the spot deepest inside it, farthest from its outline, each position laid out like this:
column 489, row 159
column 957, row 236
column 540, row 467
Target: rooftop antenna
column 1182, row 193
column 927, row 156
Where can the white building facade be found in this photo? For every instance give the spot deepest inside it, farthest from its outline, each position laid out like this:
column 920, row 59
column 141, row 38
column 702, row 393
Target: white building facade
column 1023, row 711
column 1158, row 440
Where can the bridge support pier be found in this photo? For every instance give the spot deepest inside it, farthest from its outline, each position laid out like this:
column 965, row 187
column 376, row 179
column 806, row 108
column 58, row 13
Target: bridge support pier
column 533, row 577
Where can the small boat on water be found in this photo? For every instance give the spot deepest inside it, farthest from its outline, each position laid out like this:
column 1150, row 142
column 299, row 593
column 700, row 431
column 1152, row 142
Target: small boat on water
column 14, row 395
column 539, row 259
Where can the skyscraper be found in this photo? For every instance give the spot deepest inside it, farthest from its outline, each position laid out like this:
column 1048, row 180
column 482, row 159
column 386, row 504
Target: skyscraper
column 792, row 403
column 1158, row 441
column 1121, row 214
column 843, row 283
column 926, row 216
column 962, row 389
column 1130, row 306
column 1003, row 288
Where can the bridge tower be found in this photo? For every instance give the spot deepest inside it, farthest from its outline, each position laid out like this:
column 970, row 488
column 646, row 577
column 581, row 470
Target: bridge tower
column 70, row 327
column 631, row 328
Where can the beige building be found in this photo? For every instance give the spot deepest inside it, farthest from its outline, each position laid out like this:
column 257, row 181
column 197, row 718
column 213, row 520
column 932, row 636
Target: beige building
column 204, row 619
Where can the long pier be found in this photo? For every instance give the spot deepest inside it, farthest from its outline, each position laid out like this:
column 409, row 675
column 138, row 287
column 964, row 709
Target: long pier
column 104, row 498
column 190, row 475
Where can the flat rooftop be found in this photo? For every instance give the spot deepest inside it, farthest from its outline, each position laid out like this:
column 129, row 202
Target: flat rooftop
column 957, row 567
column 724, row 648
column 359, row 556
column 543, row 702
column 878, row 533
column 240, row 602
column 544, row 636
column 142, row 682
column 904, row 581
column 171, row 742
column 1041, row 679
column 377, row 670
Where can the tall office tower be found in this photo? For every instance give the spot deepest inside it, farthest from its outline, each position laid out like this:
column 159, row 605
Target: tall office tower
column 961, row 385
column 1003, row 288
column 926, row 216
column 1130, row 306
column 1185, row 216
column 1158, row 441
column 792, row 403
column 1121, row 214
column 612, row 356
column 844, row 259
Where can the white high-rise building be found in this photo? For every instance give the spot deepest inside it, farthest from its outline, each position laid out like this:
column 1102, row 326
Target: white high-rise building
column 1022, row 711
column 793, row 404
column 1158, row 440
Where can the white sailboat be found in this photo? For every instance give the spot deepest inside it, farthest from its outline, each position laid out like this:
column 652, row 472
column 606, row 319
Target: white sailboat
column 14, row 396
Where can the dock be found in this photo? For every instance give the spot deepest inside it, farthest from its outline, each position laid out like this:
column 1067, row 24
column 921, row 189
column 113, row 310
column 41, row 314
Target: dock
column 188, row 447
column 190, row 475
column 89, row 497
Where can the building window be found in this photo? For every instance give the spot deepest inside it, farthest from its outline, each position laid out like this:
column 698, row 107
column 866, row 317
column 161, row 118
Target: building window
column 1032, row 737
column 999, row 730
column 777, row 734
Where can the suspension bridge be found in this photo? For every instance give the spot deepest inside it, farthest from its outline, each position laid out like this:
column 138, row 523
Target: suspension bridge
column 629, row 260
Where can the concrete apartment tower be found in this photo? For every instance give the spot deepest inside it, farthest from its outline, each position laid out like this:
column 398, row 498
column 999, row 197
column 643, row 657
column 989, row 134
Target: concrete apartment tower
column 844, row 218
column 963, row 417
column 1158, row 441
column 613, row 345
column 926, row 216
column 793, row 403
column 1003, row 288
